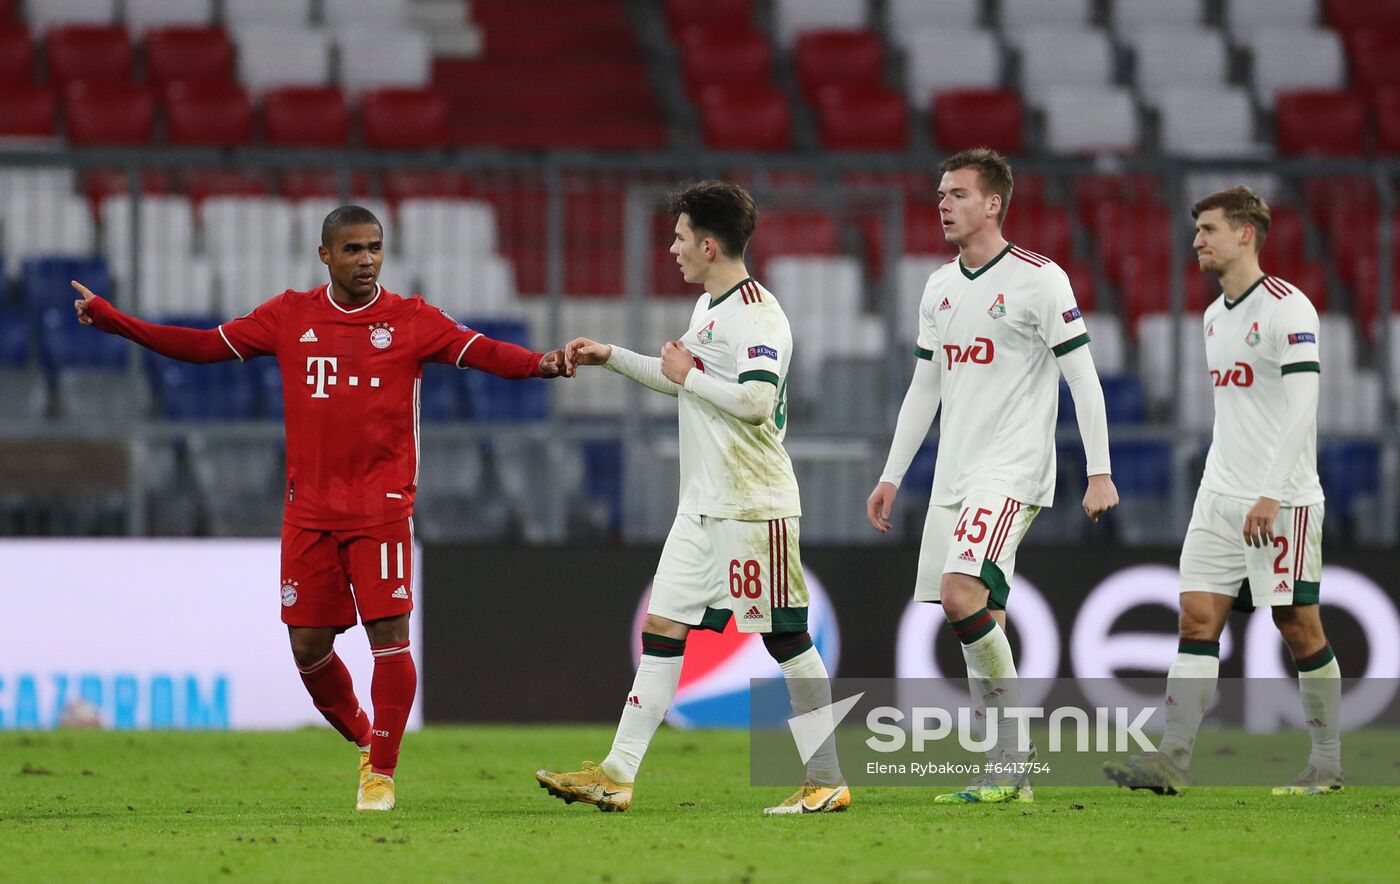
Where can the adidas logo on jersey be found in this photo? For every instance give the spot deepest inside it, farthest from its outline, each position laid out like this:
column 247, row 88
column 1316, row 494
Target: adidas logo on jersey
column 634, row 701
column 753, row 613
column 1282, row 586
column 400, row 593
column 309, row 336
column 967, row 556
column 945, row 305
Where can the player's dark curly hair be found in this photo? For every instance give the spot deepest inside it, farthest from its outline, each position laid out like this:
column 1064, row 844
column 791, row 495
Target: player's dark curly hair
column 719, row 209
column 346, row 216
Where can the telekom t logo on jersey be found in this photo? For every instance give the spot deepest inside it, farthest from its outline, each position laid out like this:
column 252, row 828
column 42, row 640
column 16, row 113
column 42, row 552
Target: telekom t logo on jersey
column 1239, row 376
column 321, row 374
column 980, row 352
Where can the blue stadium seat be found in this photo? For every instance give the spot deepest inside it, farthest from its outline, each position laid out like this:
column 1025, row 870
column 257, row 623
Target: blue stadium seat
column 63, row 342
column 1349, row 470
column 45, row 279
column 216, row 391
column 490, row 398
column 438, row 394
column 1142, row 469
column 1123, row 398
column 918, row 479
column 602, row 464
column 14, row 337
column 268, row 378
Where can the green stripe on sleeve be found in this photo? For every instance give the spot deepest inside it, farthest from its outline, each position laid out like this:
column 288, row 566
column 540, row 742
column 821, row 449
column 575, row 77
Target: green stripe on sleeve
column 1294, row 367
column 1071, row 344
column 923, row 354
column 767, row 376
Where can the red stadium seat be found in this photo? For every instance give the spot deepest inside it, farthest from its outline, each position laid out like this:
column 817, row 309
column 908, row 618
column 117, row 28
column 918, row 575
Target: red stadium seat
column 977, row 118
column 863, row 118
column 98, row 184
column 27, row 111
column 1310, row 278
column 1081, row 280
column 1043, row 229
column 1367, row 293
column 1388, row 121
column 1141, row 232
column 208, row 114
column 16, row 55
column 1329, row 123
column 306, row 116
column 562, row 13
column 403, row 119
column 201, row 184
column 1286, row 245
column 109, row 114
column 731, row 14
column 300, row 184
column 548, row 44
column 185, row 54
column 88, row 52
column 404, row 184
column 1355, row 15
column 745, row 119
column 720, row 56
column 614, row 131
column 793, row 233
column 838, row 57
column 1375, row 59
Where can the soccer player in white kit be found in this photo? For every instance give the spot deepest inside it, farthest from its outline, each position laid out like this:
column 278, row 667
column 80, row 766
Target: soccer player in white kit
column 998, row 327
column 1255, row 537
column 733, row 549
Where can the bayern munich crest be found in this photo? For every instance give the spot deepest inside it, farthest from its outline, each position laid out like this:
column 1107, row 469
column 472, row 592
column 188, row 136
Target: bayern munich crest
column 289, row 593
column 381, row 335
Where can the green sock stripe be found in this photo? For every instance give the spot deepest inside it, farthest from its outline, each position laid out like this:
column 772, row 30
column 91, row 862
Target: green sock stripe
column 1316, row 661
column 1199, row 648
column 970, row 629
column 662, row 645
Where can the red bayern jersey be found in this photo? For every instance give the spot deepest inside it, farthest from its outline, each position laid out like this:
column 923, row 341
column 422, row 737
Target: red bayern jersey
column 350, row 387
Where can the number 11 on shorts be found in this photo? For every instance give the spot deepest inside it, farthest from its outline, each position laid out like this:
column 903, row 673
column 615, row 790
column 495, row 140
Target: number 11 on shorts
column 384, row 560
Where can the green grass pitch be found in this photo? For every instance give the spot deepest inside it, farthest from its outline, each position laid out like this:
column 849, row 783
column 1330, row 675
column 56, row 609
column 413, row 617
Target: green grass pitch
column 102, row 806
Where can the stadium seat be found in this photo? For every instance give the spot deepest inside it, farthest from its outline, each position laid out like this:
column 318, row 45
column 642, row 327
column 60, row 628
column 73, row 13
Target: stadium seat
column 213, row 391
column 240, row 483
column 729, row 14
column 1054, row 58
column 24, row 394
column 489, row 398
column 792, row 17
column 1349, row 470
column 143, row 15
column 1388, row 121
column 1244, row 16
column 718, row 56
column 378, row 58
column 1043, row 229
column 438, row 394
column 41, row 222
column 267, row 13
column 201, row 184
column 45, row 280
column 837, row 57
column 402, row 184
column 1123, row 397
column 1327, row 123
column 1142, row 469
column 1287, row 60
column 904, row 15
column 1084, row 120
column 1286, row 244
column 109, row 114
column 305, row 183
column 745, row 118
column 1375, row 60
column 939, row 60
column 166, row 231
column 1014, row 14
column 16, row 56
column 1359, row 15
column 345, row 14
column 100, row 395
column 27, row 111
column 1207, row 122
column 305, row 116
column 63, row 342
column 403, row 119
column 471, row 284
column 49, row 13
column 1178, row 57
column 274, row 57
column 251, row 225
column 1130, row 16
column 88, row 52
column 862, row 118
column 430, row 227
column 822, row 297
column 188, row 54
column 14, row 337
column 977, row 118
column 1110, row 342
column 208, row 114
column 794, row 232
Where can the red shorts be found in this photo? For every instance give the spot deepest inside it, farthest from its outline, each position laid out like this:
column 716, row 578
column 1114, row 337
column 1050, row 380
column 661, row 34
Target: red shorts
column 327, row 575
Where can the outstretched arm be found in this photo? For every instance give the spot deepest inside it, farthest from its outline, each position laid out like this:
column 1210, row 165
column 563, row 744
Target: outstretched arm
column 645, row 370
column 915, row 417
column 185, row 344
column 1077, row 366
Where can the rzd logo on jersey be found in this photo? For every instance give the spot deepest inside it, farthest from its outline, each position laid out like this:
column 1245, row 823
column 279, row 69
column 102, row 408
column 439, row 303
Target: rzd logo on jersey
column 1239, row 376
column 980, row 352
column 714, row 686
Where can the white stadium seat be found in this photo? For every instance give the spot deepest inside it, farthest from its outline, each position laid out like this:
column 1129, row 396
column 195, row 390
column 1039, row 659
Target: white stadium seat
column 1017, row 14
column 167, row 246
column 142, row 15
column 250, row 241
column 914, row 272
column 43, row 14
column 792, row 17
column 49, row 224
column 267, row 13
column 1172, row 57
column 1059, row 57
column 387, row 14
column 270, row 57
column 1155, row 355
column 1243, row 16
column 433, row 226
column 1208, row 122
column 377, row 58
column 1132, row 15
column 1287, row 59
column 940, row 60
column 468, row 285
column 906, row 15
column 1110, row 346
column 1087, row 120
column 822, row 298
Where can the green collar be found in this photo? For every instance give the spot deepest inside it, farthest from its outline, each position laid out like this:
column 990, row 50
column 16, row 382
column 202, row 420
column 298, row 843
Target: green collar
column 1231, row 305
column 970, row 274
column 715, row 302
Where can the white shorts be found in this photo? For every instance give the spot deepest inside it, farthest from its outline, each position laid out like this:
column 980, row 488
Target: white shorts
column 712, row 568
column 978, row 537
column 1215, row 558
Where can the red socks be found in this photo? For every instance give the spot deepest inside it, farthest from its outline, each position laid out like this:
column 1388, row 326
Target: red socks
column 328, row 682
column 395, row 683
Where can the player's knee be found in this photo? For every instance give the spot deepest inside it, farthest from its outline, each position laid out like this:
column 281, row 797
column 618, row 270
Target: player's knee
column 783, row 646
column 657, row 625
column 309, row 649
column 962, row 596
column 1301, row 632
column 1198, row 622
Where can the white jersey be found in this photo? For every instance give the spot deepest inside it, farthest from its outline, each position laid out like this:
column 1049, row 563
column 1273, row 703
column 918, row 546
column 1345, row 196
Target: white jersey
column 996, row 332
column 731, row 469
column 1268, row 332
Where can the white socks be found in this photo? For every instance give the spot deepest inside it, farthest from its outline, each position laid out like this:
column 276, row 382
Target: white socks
column 652, row 692
column 808, row 689
column 991, row 672
column 1190, row 686
column 1320, row 683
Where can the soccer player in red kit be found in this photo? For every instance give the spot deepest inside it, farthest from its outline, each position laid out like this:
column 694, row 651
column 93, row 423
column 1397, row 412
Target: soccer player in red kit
column 352, row 357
